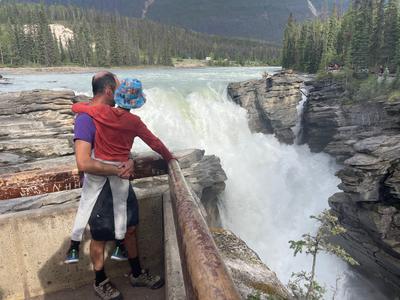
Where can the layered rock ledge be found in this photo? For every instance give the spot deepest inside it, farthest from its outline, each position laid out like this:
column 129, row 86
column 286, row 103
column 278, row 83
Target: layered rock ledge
column 35, row 124
column 271, row 103
column 364, row 137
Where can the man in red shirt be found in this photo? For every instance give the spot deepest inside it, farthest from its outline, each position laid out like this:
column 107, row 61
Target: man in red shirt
column 104, row 85
column 116, row 129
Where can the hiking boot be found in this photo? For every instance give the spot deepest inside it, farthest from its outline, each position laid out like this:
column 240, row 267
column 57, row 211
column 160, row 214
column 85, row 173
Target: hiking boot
column 119, row 253
column 72, row 256
column 107, row 291
column 146, row 280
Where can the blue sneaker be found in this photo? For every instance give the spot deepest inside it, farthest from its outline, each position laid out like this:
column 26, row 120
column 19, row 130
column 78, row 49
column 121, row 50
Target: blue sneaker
column 72, row 256
column 119, row 253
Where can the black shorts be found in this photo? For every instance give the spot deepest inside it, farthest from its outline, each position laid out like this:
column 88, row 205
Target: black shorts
column 101, row 220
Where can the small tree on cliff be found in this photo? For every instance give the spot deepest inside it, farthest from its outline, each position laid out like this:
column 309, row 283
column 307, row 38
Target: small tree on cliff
column 303, row 284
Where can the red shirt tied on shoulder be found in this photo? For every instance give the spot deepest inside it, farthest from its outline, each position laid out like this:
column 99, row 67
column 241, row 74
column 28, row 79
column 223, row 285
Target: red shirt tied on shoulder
column 116, row 130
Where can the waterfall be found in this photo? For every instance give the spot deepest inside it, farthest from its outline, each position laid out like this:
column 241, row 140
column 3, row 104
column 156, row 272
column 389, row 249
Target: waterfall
column 272, row 188
column 300, row 107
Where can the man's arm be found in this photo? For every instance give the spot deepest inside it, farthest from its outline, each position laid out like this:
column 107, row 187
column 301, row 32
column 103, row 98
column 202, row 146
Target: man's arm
column 86, row 164
column 81, row 107
column 152, row 141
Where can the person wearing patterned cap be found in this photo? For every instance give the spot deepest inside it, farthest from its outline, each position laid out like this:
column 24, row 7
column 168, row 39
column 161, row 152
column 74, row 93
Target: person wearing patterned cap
column 114, row 132
column 116, row 129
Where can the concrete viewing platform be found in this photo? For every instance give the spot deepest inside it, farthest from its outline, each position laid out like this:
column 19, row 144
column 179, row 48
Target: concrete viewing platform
column 86, row 292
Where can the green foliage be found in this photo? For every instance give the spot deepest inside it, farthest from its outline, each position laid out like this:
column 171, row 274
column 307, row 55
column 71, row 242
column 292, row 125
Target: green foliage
column 371, row 88
column 394, row 96
column 361, row 15
column 101, row 39
column 303, row 284
column 299, row 284
column 376, row 41
column 391, row 35
column 256, row 296
column 289, row 44
column 364, row 38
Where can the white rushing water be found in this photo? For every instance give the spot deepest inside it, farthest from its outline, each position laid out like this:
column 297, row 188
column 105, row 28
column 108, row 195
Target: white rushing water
column 272, row 188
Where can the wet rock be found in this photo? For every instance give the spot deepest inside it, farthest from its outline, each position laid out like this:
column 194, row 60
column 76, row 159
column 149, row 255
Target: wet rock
column 205, row 176
column 271, row 104
column 250, row 274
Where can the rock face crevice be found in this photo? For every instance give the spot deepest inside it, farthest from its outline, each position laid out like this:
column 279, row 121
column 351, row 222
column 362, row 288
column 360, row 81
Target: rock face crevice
column 364, row 137
column 271, row 104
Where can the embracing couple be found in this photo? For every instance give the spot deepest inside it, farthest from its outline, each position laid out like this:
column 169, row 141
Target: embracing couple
column 103, row 139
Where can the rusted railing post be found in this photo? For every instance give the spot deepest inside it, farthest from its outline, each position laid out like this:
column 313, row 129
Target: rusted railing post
column 206, row 276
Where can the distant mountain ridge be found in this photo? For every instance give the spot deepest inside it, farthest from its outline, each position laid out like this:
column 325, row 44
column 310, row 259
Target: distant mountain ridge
column 258, row 19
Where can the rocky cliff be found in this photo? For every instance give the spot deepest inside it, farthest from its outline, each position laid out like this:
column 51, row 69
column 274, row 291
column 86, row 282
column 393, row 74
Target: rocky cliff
column 271, row 103
column 364, row 137
column 35, row 124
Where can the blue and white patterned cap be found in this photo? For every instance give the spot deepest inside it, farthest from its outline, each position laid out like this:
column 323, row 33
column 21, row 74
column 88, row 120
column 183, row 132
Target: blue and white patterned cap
column 129, row 94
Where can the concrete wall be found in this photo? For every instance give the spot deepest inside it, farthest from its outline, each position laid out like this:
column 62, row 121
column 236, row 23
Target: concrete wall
column 33, row 245
column 174, row 282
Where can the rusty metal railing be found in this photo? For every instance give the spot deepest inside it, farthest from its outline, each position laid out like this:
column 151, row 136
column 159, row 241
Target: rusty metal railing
column 205, row 274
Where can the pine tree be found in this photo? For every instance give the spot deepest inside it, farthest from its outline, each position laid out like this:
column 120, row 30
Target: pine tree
column 289, row 45
column 115, row 50
column 16, row 45
column 398, row 52
column 391, row 35
column 331, row 30
column 376, row 41
column 101, row 49
column 300, row 49
column 45, row 55
column 360, row 39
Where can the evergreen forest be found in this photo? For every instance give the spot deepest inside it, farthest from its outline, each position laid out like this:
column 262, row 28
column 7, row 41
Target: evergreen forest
column 365, row 39
column 101, row 39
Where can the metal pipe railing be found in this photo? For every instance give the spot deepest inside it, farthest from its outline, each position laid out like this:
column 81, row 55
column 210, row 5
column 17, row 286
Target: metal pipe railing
column 205, row 274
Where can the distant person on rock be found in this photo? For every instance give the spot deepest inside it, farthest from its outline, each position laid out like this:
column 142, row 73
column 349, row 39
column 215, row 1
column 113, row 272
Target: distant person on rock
column 381, row 70
column 100, row 211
